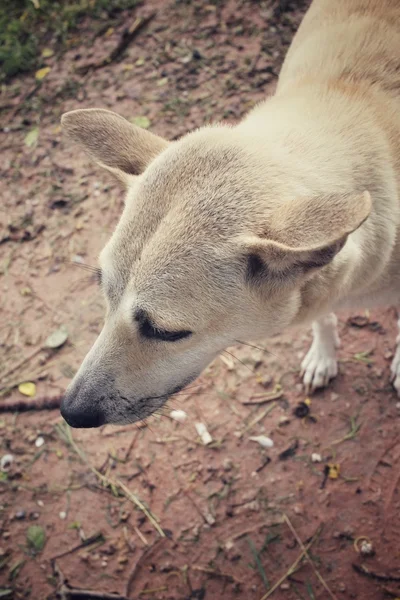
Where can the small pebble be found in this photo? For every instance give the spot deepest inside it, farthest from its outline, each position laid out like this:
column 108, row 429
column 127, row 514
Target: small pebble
column 263, row 440
column 227, row 464
column 62, row 515
column 20, row 514
column 39, row 442
column 178, row 415
column 202, row 431
column 285, row 586
column 316, row 458
column 40, row 503
column 366, row 548
column 6, row 462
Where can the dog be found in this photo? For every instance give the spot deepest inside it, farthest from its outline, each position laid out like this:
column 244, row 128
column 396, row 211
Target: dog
column 238, row 232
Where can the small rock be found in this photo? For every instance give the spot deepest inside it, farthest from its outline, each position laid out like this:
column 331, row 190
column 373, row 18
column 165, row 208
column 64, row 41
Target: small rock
column 6, row 535
column 20, row 514
column 5, row 462
column 283, row 420
column 366, row 548
column 62, row 515
column 285, row 586
column 263, row 440
column 178, row 415
column 342, row 587
column 202, row 431
column 40, row 503
column 227, row 464
column 39, row 442
column 316, row 458
column 334, row 397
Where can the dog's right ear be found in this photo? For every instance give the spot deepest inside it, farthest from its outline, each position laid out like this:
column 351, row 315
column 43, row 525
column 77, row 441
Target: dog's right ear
column 113, row 142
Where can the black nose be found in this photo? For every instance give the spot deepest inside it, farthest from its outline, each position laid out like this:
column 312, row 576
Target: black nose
column 81, row 414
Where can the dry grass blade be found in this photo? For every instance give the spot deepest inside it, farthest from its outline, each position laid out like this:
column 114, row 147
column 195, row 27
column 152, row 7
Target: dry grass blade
column 293, row 567
column 115, row 485
column 314, row 568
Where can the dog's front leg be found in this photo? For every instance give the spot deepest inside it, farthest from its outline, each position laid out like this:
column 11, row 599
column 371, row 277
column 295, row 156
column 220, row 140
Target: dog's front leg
column 395, row 368
column 320, row 365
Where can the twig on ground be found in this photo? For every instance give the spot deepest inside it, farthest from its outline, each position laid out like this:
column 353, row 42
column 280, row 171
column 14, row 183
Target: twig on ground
column 257, row 419
column 21, row 405
column 215, row 574
column 363, row 570
column 68, row 592
column 127, row 37
column 138, row 565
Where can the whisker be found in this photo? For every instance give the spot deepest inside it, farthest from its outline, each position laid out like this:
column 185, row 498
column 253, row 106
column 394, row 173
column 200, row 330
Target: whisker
column 238, row 359
column 256, row 347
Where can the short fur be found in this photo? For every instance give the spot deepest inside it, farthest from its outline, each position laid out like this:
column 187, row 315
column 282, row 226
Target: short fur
column 239, row 232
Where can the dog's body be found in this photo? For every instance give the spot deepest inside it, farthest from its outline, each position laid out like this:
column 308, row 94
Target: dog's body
column 238, row 232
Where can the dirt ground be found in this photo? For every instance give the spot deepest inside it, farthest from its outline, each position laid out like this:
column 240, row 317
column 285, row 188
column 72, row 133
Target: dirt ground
column 149, row 511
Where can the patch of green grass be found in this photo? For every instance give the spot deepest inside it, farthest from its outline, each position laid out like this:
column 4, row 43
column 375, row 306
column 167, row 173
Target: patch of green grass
column 27, row 26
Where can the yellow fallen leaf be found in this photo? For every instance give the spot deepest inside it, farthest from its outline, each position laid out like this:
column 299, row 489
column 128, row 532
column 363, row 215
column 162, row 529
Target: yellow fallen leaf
column 27, row 389
column 109, row 32
column 334, row 470
column 307, row 401
column 47, row 52
column 140, row 61
column 127, row 67
column 41, row 74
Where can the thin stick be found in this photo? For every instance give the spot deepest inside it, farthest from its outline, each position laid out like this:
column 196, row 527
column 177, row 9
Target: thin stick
column 314, row 568
column 135, row 500
column 257, row 419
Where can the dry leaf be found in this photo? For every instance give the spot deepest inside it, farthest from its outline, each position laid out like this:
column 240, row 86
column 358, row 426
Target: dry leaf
column 36, row 4
column 27, row 389
column 334, row 470
column 41, row 74
column 31, row 138
column 57, row 338
column 47, row 52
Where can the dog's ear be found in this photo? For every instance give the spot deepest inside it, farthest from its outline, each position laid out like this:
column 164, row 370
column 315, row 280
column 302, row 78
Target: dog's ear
column 305, row 234
column 113, row 142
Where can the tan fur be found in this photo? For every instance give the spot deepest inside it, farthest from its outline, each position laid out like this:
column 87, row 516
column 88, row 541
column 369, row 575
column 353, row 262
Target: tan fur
column 238, row 232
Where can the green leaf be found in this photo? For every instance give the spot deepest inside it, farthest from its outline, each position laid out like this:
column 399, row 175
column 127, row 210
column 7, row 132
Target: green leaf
column 143, row 122
column 4, row 593
column 36, row 537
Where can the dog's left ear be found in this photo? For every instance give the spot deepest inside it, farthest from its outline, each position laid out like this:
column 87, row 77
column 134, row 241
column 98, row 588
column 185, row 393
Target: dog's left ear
column 112, row 141
column 306, row 234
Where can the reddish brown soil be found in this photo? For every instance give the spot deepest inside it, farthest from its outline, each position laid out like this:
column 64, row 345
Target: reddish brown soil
column 223, row 506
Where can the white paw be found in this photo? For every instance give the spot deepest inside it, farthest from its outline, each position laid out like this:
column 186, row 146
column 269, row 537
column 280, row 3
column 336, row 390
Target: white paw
column 395, row 368
column 319, row 366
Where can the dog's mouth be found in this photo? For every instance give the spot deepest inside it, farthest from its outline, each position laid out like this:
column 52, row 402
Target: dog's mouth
column 138, row 410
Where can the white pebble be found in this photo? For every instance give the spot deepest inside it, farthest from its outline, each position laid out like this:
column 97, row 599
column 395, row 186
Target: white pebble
column 263, row 440
column 202, row 431
column 39, row 442
column 178, row 415
column 6, row 462
column 315, row 457
column 63, row 515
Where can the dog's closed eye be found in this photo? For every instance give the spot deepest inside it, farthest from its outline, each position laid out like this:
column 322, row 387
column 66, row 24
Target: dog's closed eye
column 149, row 331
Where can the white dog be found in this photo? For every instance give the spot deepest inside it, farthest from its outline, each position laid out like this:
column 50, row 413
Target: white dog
column 239, row 232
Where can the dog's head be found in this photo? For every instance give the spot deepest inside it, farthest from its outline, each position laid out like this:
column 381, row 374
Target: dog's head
column 213, row 246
